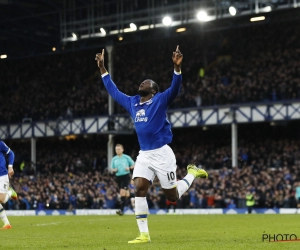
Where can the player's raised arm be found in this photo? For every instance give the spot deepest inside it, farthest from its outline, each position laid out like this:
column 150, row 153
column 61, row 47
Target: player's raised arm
column 177, row 59
column 111, row 87
column 100, row 62
column 171, row 93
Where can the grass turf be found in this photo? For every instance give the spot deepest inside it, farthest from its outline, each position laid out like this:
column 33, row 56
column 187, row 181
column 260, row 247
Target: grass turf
column 172, row 232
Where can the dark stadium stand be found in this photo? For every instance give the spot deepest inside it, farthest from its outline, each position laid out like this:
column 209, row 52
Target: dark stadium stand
column 243, row 65
column 73, row 174
column 236, row 64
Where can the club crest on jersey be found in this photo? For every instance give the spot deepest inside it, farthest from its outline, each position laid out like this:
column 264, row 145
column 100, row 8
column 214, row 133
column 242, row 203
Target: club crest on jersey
column 140, row 116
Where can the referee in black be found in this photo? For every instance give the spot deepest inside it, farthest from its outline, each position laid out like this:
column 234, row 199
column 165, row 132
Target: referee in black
column 121, row 165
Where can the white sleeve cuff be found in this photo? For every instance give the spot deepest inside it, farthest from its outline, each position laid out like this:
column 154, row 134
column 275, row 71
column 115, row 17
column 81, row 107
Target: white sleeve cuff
column 177, row 73
column 105, row 74
column 10, row 166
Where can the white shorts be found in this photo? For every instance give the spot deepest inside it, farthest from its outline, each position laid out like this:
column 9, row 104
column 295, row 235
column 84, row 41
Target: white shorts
column 4, row 184
column 159, row 162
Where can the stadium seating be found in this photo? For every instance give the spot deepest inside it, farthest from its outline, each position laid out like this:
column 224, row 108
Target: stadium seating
column 239, row 65
column 73, row 174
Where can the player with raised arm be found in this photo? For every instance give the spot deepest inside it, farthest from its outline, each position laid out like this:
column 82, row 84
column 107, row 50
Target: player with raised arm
column 148, row 110
column 6, row 191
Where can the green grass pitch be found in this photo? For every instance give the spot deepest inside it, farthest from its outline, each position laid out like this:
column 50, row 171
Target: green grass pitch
column 172, row 232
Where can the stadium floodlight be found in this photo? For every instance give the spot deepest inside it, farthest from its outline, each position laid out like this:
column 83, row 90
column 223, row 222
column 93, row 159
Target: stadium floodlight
column 144, row 27
column 133, row 26
column 258, row 18
column 114, row 32
column 3, row 56
column 74, row 36
column 53, row 49
column 181, row 30
column 267, row 9
column 167, row 21
column 103, row 31
column 232, row 10
column 202, row 16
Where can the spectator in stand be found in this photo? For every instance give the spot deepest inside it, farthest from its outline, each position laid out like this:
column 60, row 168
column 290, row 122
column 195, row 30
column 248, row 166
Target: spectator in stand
column 244, row 74
column 272, row 170
column 201, row 201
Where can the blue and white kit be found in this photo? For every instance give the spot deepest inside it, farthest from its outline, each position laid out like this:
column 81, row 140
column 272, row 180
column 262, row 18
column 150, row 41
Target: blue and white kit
column 5, row 150
column 153, row 130
column 4, row 181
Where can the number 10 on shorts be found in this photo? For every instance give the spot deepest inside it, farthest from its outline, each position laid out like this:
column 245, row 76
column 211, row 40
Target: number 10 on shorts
column 171, row 176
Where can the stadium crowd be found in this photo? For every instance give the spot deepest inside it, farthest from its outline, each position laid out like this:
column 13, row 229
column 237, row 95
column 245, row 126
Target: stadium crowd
column 239, row 65
column 74, row 174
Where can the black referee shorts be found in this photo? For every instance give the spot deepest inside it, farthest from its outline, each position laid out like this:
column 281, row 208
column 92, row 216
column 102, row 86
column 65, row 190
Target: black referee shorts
column 123, row 181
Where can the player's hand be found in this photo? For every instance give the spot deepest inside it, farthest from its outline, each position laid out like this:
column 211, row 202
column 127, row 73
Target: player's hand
column 177, row 57
column 10, row 172
column 100, row 59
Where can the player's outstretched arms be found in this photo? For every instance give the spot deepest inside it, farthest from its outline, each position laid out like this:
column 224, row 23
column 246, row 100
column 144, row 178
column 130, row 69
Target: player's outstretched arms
column 177, row 59
column 100, row 62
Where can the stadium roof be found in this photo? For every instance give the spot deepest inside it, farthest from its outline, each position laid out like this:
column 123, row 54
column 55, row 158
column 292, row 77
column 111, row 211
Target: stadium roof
column 32, row 27
column 29, row 25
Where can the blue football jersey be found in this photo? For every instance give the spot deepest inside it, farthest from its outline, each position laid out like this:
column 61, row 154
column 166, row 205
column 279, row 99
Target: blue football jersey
column 150, row 118
column 5, row 150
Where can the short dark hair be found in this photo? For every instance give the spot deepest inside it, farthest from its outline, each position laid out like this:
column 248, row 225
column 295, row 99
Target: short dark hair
column 155, row 86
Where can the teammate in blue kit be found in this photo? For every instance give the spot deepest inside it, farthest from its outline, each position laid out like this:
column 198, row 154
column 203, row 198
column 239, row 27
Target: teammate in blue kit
column 121, row 164
column 148, row 110
column 6, row 191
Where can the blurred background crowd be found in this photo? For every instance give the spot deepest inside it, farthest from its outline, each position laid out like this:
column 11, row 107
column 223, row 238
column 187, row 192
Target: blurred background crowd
column 240, row 65
column 74, row 174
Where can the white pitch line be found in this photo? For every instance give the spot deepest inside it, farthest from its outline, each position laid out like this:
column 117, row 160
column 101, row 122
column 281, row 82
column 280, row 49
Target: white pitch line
column 48, row 224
